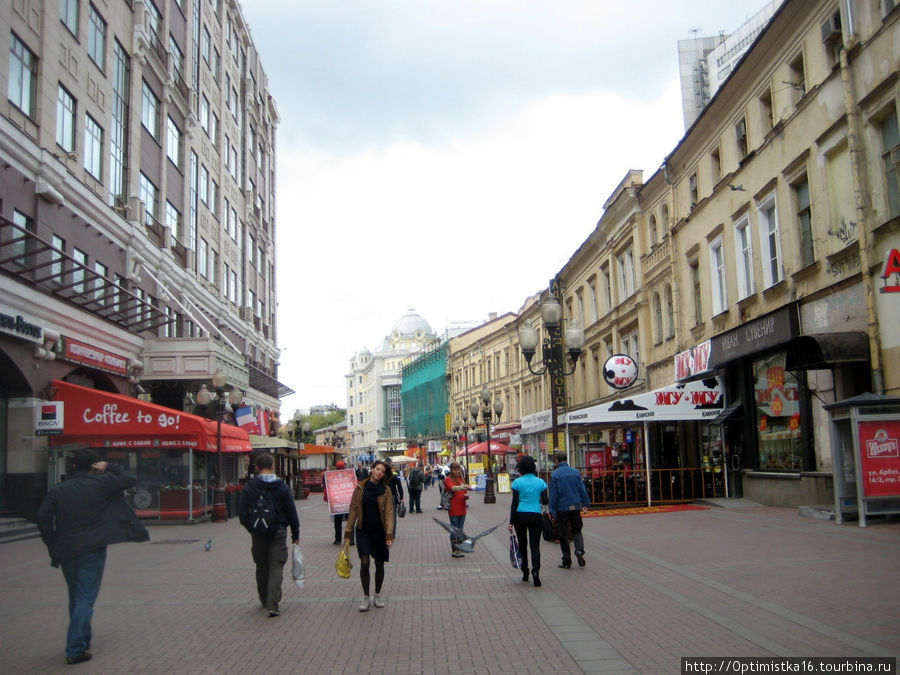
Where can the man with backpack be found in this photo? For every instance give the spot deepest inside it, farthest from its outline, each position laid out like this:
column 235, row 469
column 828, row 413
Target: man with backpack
column 416, row 483
column 266, row 509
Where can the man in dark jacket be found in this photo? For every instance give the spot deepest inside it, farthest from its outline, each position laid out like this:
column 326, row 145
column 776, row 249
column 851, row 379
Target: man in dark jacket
column 270, row 552
column 77, row 520
column 416, row 483
column 568, row 498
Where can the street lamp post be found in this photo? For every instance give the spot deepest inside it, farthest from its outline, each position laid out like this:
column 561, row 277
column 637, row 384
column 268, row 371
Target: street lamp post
column 486, row 415
column 300, row 428
column 554, row 361
column 234, row 397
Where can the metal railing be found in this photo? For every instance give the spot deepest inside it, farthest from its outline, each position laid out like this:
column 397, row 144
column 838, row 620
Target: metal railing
column 667, row 486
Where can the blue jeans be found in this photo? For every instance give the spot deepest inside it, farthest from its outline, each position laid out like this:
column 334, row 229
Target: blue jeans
column 456, row 521
column 83, row 576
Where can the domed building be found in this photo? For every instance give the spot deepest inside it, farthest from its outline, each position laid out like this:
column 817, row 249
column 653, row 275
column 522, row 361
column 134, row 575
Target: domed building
column 374, row 412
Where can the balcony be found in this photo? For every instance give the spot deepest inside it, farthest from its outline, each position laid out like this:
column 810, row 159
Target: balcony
column 656, row 258
column 34, row 262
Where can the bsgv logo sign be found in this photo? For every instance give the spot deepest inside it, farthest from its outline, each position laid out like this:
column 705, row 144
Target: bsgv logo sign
column 891, row 268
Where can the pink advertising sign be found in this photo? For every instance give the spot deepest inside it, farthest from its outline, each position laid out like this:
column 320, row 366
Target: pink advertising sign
column 339, row 486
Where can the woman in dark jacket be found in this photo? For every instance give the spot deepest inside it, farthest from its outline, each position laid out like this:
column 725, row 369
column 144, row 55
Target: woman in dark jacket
column 372, row 516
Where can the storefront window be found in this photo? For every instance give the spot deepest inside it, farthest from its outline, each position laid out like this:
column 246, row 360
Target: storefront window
column 777, row 400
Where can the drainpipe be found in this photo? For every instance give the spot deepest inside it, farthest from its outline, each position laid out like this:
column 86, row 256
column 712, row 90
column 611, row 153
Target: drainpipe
column 862, row 210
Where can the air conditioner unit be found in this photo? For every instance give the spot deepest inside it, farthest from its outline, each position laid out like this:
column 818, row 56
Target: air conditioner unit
column 831, row 29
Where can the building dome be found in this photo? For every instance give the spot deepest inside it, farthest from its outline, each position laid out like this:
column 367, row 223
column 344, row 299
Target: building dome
column 411, row 325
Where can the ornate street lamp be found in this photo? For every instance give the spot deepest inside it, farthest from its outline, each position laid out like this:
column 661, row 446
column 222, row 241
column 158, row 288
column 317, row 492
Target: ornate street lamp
column 204, row 398
column 486, row 416
column 554, row 362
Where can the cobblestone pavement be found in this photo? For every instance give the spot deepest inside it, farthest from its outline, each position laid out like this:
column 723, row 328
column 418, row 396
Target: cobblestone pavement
column 750, row 581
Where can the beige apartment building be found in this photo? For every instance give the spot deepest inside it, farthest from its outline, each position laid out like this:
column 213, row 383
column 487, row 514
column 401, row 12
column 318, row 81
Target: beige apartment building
column 747, row 278
column 137, row 239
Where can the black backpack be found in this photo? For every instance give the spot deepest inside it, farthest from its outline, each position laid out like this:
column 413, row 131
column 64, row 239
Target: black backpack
column 263, row 515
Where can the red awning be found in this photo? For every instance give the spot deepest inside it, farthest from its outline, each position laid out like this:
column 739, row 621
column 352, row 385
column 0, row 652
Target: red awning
column 481, row 449
column 101, row 419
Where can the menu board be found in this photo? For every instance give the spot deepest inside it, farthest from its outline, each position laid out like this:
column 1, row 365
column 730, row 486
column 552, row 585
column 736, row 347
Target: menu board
column 879, row 458
column 339, row 486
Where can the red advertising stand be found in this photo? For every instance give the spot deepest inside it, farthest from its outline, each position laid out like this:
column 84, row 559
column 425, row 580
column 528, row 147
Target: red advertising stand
column 865, row 451
column 339, row 485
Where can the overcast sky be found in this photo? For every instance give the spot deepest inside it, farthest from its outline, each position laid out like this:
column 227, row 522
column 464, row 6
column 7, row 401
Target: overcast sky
column 451, row 156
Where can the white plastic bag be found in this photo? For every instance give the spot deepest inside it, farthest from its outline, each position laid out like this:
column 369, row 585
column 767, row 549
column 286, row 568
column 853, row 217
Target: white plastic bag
column 298, row 570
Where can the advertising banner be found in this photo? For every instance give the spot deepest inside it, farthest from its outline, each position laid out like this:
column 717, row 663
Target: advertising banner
column 339, row 486
column 879, row 458
column 503, row 485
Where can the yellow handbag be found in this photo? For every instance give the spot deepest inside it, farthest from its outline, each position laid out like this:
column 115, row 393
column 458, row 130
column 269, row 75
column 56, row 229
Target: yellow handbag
column 343, row 564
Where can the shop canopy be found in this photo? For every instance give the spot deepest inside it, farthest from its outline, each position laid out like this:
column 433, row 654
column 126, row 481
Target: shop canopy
column 696, row 400
column 105, row 420
column 481, row 449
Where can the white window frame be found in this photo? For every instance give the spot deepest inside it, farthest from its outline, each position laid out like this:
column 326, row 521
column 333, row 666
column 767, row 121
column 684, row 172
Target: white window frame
column 68, row 15
column 93, row 147
column 149, row 109
column 204, row 114
column 173, row 220
column 78, row 271
column 173, row 142
column 203, row 258
column 204, row 184
column 56, row 267
column 65, row 119
column 97, row 38
column 718, row 288
column 625, row 267
column 22, row 88
column 770, row 241
column 743, row 254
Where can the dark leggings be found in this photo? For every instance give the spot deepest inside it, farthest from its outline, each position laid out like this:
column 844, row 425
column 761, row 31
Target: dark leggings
column 530, row 524
column 364, row 573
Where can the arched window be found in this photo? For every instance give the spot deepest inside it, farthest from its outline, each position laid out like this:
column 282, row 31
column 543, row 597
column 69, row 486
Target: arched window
column 652, row 230
column 670, row 311
column 664, row 213
column 657, row 319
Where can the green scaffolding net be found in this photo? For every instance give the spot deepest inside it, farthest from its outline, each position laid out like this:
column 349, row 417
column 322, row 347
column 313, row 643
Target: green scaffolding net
column 424, row 393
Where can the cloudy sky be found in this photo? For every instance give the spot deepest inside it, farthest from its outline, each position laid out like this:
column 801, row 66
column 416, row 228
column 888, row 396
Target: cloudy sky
column 451, row 156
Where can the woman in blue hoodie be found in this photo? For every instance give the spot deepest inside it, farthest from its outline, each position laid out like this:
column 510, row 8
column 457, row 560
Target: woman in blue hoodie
column 528, row 493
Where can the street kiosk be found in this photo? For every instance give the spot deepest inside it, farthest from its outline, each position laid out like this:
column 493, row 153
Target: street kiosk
column 865, row 452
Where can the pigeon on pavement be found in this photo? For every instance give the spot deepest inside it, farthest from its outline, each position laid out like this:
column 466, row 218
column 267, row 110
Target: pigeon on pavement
column 466, row 544
column 207, row 545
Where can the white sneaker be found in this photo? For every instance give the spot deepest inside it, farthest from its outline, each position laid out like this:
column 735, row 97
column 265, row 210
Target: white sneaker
column 377, row 601
column 364, row 605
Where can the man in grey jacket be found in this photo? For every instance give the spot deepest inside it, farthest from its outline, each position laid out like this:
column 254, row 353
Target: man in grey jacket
column 78, row 519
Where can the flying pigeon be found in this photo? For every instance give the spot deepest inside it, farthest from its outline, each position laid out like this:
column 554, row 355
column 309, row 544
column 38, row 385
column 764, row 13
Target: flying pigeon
column 466, row 544
column 207, row 545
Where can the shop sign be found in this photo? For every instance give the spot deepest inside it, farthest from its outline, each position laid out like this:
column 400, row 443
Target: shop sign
column 78, row 352
column 879, row 460
column 620, row 371
column 49, row 418
column 693, row 361
column 19, row 326
column 755, row 336
column 891, row 267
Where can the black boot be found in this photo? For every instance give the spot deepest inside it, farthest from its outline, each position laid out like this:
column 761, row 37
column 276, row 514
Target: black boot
column 536, row 579
column 525, row 574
